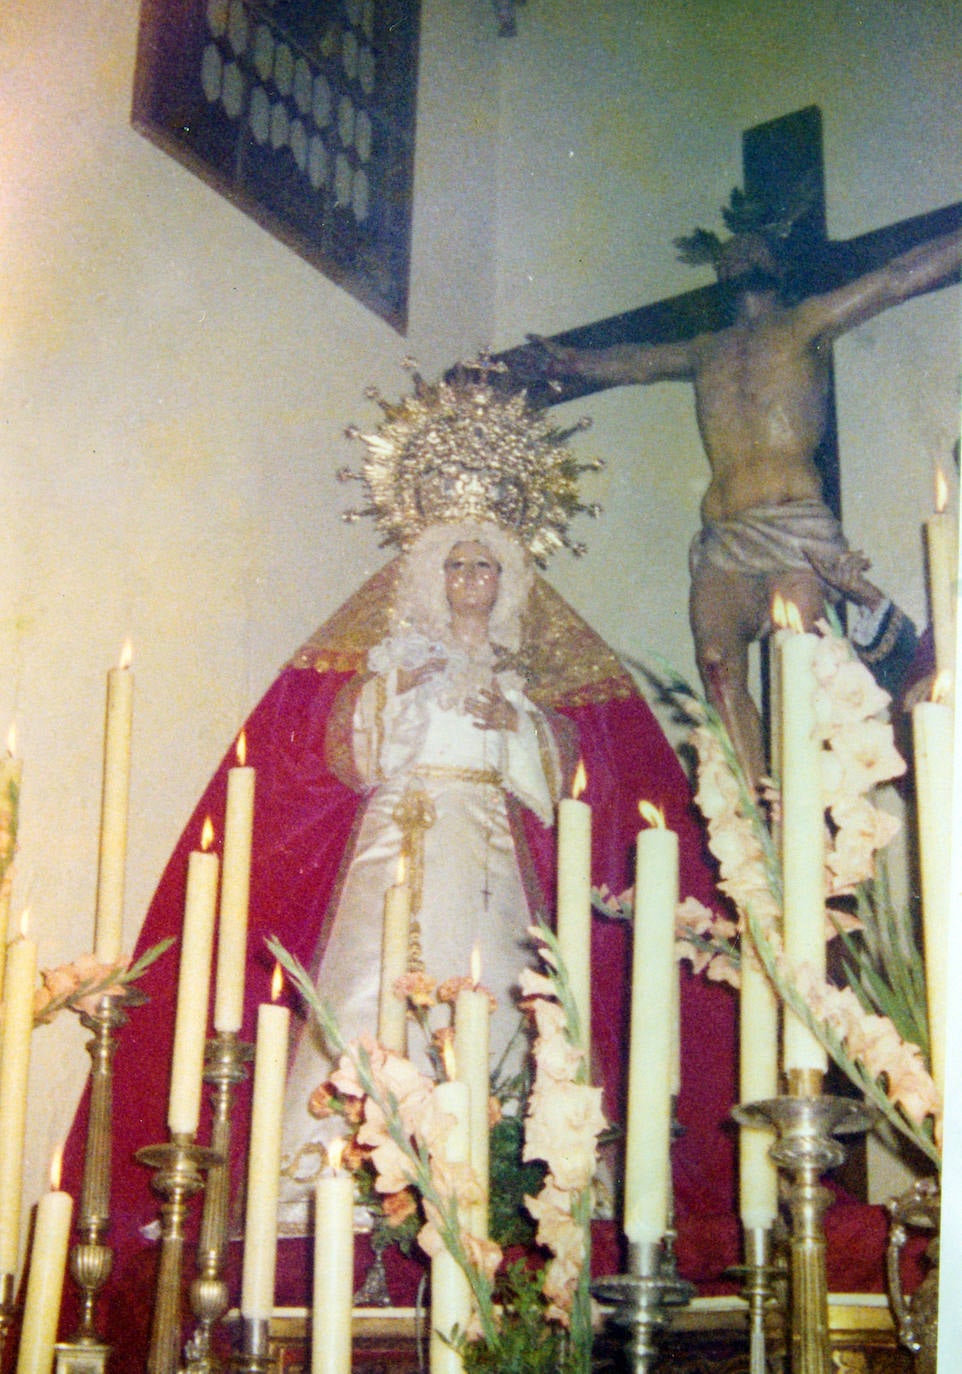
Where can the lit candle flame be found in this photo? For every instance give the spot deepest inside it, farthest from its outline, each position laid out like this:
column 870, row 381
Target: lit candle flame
column 793, row 618
column 942, row 686
column 450, row 1063
column 241, row 750
column 56, row 1168
column 335, row 1153
column 580, row 780
column 207, row 834
column 941, row 491
column 476, row 965
column 24, row 922
column 651, row 813
column 779, row 612
column 401, row 876
column 126, row 655
column 277, row 982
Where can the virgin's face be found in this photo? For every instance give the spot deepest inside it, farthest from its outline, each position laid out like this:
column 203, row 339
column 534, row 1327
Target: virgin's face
column 471, row 578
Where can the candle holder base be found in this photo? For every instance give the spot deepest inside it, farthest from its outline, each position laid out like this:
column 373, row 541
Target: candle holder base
column 91, row 1259
column 373, row 1291
column 807, row 1127
column 642, row 1299
column 758, row 1277
column 226, row 1063
column 254, row 1356
column 80, row 1357
column 179, row 1166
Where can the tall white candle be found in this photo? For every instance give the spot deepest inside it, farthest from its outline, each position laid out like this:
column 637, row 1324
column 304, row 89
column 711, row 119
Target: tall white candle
column 450, row 1290
column 193, row 993
column 264, row 1162
column 392, row 1010
column 108, row 933
column 932, row 733
column 21, row 979
column 774, row 646
column 647, row 1164
column 48, row 1260
column 234, row 897
column 333, row 1272
column 11, row 773
column 803, row 838
column 574, row 904
column 758, row 1081
column 472, row 1038
column 942, row 546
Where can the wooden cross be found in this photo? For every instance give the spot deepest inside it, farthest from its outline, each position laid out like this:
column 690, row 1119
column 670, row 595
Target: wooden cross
column 776, row 156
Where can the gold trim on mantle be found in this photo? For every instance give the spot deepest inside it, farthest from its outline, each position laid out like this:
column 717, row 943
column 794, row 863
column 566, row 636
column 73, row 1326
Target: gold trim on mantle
column 385, row 1339
column 562, row 659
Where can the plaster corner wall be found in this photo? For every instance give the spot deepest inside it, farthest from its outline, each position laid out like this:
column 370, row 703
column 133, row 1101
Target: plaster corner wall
column 175, row 383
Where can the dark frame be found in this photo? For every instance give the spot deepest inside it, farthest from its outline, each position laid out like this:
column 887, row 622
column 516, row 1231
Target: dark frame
column 301, row 113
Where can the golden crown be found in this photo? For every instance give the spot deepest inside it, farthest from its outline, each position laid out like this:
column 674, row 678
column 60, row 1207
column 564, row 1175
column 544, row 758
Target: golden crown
column 463, row 449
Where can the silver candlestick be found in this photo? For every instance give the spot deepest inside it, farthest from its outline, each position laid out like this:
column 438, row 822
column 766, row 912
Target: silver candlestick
column 642, row 1300
column 807, row 1126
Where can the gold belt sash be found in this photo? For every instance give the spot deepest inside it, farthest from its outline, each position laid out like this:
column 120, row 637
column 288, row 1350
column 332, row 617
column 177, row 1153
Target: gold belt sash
column 440, row 772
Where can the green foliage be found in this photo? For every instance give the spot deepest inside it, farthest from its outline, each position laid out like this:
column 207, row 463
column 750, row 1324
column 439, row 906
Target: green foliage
column 884, row 964
column 527, row 1342
column 511, row 1178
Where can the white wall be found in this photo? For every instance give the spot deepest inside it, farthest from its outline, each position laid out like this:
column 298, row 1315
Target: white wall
column 175, row 381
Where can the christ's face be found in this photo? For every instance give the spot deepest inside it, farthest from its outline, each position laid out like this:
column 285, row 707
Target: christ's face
column 471, row 578
column 747, row 262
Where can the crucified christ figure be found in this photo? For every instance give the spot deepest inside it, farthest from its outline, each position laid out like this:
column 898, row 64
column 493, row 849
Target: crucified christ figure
column 761, row 395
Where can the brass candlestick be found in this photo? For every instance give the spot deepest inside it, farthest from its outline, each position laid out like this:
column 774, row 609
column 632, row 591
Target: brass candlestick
column 91, row 1259
column 806, row 1147
column 179, row 1176
column 226, row 1061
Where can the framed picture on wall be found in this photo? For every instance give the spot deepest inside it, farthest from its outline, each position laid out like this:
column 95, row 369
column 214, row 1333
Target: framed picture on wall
column 301, row 113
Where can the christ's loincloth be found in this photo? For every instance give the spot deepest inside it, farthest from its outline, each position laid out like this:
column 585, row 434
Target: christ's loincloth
column 769, row 539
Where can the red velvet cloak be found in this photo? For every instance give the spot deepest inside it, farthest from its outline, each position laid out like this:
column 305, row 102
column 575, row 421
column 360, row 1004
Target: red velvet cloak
column 303, row 823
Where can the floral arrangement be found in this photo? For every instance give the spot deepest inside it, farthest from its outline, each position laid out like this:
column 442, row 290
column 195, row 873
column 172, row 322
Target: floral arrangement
column 523, row 1318
column 80, row 985
column 874, row 1027
column 707, row 939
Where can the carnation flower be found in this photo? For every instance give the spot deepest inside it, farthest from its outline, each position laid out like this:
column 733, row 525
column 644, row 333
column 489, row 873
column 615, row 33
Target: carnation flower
column 397, row 1207
column 322, row 1102
column 417, row 988
column 449, row 989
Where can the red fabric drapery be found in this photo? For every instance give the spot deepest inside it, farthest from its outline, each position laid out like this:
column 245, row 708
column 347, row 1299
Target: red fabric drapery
column 304, row 818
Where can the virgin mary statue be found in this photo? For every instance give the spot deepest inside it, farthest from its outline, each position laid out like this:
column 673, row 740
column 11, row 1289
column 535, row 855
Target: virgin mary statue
column 437, row 717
